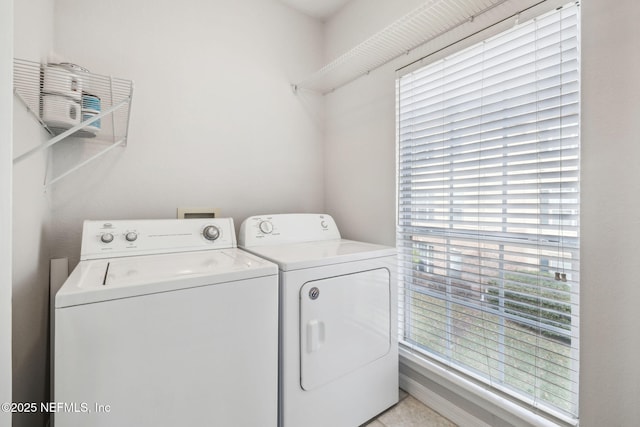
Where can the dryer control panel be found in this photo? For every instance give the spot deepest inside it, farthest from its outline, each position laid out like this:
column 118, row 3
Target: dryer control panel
column 117, row 238
column 287, row 228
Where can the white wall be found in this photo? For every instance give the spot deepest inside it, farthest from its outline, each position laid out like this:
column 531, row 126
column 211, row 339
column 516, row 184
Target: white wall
column 610, row 373
column 6, row 107
column 214, row 121
column 33, row 35
column 360, row 129
column 360, row 184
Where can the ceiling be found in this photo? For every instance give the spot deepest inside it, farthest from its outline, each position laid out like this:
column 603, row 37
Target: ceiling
column 319, row 9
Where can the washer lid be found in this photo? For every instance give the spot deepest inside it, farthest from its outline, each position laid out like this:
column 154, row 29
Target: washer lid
column 297, row 256
column 114, row 278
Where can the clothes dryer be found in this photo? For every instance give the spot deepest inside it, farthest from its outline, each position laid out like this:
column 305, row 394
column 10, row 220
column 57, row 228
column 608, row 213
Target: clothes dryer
column 166, row 323
column 338, row 361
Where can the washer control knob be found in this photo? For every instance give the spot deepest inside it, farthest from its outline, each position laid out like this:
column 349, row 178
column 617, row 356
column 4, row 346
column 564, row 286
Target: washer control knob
column 211, row 232
column 106, row 238
column 323, row 224
column 131, row 236
column 266, row 227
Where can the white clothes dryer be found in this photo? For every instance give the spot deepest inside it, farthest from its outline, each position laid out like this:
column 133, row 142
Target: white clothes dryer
column 338, row 362
column 166, row 323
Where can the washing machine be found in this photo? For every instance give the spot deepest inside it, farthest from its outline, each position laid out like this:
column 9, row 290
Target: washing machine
column 166, row 323
column 338, row 359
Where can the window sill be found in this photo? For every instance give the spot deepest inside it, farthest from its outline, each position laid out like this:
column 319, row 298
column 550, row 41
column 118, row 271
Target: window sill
column 472, row 398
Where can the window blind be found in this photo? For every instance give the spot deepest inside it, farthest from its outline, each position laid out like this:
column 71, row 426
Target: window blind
column 488, row 211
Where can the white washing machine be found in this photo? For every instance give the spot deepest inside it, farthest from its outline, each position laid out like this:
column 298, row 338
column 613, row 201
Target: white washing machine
column 166, row 323
column 338, row 330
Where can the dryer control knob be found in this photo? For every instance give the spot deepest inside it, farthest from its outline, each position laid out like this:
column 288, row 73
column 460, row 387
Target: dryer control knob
column 211, row 232
column 106, row 238
column 266, row 227
column 131, row 236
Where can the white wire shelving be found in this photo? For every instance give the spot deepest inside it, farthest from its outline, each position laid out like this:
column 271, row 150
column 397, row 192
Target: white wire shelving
column 71, row 102
column 426, row 22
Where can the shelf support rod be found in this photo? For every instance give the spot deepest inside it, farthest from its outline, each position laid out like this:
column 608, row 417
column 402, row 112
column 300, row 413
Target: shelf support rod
column 113, row 122
column 69, row 132
column 33, row 113
column 126, row 130
column 90, row 159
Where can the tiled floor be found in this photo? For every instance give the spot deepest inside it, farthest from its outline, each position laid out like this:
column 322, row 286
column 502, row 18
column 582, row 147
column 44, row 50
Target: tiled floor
column 409, row 412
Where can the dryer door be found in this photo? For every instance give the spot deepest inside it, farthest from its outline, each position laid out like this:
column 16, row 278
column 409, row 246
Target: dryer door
column 344, row 325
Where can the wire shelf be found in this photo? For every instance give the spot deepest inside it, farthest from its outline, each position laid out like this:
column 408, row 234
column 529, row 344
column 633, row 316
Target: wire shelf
column 423, row 24
column 69, row 101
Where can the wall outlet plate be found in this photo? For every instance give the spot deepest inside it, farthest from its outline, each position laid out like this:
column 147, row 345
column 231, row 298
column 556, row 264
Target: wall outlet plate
column 188, row 213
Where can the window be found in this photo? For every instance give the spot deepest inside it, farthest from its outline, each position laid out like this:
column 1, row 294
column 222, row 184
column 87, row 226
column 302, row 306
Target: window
column 488, row 211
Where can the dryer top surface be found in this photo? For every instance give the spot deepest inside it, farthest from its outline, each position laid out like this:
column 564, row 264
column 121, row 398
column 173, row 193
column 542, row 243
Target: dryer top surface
column 296, row 256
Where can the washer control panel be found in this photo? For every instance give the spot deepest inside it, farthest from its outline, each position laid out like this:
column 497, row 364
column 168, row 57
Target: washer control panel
column 107, row 239
column 286, row 228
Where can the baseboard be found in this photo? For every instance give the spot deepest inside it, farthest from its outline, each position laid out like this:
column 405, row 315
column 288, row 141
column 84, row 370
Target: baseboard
column 439, row 404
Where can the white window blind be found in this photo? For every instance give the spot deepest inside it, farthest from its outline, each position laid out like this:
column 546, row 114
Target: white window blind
column 488, row 211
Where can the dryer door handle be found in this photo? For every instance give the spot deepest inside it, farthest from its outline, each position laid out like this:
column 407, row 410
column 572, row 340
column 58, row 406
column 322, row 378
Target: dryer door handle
column 315, row 335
